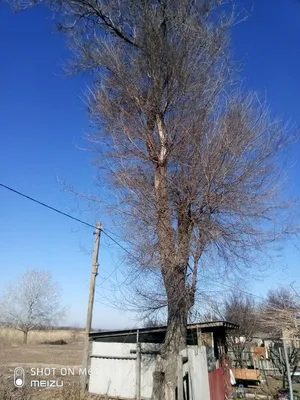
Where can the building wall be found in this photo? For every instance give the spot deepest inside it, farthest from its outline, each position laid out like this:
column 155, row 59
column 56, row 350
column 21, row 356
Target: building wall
column 117, row 377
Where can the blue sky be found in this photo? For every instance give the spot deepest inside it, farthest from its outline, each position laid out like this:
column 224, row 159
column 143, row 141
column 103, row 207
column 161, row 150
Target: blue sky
column 43, row 118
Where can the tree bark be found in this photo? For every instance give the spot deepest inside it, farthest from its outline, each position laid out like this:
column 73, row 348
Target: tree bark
column 165, row 375
column 174, row 259
column 175, row 340
column 25, row 335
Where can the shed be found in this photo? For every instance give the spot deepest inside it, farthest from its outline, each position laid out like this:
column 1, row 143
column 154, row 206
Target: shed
column 123, row 361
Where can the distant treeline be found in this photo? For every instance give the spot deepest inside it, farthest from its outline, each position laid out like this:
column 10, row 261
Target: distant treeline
column 66, row 328
column 53, row 328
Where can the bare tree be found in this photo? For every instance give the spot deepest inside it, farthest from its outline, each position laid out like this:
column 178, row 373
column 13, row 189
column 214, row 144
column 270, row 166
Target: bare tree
column 278, row 359
column 279, row 311
column 242, row 310
column 152, row 322
column 31, row 302
column 194, row 163
column 209, row 316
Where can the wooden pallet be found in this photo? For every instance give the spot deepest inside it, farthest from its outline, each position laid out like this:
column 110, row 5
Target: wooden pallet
column 246, row 374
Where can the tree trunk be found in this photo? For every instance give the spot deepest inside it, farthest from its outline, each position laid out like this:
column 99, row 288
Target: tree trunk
column 175, row 342
column 165, row 376
column 174, row 261
column 25, row 334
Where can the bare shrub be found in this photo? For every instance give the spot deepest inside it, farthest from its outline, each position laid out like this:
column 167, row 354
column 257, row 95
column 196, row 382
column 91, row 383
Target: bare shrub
column 31, row 303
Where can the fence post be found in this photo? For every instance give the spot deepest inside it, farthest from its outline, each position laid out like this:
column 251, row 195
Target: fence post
column 198, row 372
column 138, row 367
column 179, row 378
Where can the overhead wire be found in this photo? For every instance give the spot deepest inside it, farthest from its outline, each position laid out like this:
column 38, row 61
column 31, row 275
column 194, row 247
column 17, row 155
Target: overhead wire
column 46, row 205
column 43, row 204
column 68, row 216
column 109, row 236
column 106, row 234
column 239, row 290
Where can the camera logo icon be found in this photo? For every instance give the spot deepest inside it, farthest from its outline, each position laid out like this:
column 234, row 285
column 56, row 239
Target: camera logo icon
column 19, row 377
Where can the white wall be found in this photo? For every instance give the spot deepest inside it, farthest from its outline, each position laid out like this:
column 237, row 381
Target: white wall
column 112, row 377
column 117, row 377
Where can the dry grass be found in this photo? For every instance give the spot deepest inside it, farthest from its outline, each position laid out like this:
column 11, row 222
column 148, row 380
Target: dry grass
column 12, row 337
column 70, row 392
column 14, row 354
column 36, row 355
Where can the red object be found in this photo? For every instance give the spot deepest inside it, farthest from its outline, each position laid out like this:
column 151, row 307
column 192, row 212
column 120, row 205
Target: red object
column 219, row 382
column 216, row 384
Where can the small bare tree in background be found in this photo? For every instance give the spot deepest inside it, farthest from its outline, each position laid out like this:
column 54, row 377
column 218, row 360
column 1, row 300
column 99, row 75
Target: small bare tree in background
column 278, row 316
column 31, row 302
column 192, row 162
column 278, row 359
column 242, row 310
column 279, row 311
column 153, row 322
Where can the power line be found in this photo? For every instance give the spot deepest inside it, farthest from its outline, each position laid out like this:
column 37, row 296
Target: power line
column 68, row 216
column 47, row 206
column 108, row 235
column 122, row 247
column 239, row 290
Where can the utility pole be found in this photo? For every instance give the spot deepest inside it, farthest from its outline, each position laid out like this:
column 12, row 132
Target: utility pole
column 86, row 349
column 288, row 370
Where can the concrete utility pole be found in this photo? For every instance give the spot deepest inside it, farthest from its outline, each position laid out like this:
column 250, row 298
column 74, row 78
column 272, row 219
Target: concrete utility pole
column 288, row 370
column 86, row 348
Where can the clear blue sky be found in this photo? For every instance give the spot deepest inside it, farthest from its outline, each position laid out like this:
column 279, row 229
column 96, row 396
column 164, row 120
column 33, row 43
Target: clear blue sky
column 43, row 119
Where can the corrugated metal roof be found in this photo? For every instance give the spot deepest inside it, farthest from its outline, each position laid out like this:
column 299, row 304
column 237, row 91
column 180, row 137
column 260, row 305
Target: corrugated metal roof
column 157, row 334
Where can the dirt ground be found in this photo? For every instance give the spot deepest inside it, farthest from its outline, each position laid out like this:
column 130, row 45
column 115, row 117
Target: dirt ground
column 41, row 355
column 60, row 363
column 267, row 389
column 56, row 362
